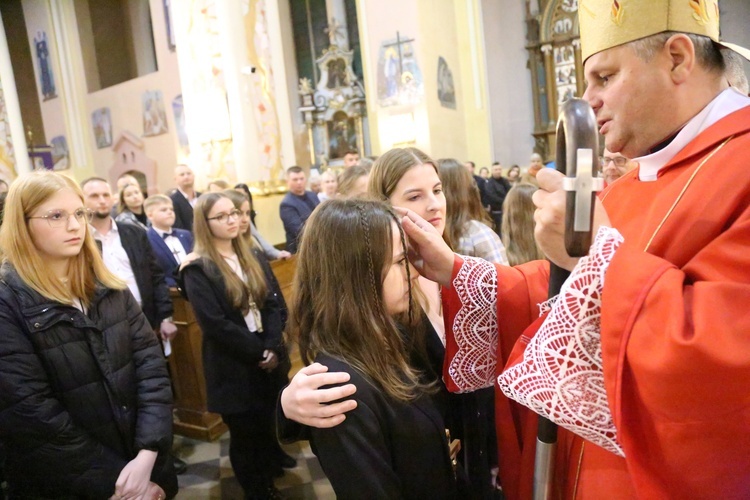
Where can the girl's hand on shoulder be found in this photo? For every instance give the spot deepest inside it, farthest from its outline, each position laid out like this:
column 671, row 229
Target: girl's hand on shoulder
column 305, row 402
column 188, row 259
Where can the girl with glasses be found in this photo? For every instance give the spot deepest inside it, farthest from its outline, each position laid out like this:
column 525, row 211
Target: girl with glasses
column 85, row 403
column 242, row 346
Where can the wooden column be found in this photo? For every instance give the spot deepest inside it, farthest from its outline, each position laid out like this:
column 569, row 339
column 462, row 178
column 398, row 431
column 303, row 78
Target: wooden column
column 191, row 416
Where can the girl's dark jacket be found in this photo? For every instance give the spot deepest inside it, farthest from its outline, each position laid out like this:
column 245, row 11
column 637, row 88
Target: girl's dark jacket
column 80, row 394
column 231, row 353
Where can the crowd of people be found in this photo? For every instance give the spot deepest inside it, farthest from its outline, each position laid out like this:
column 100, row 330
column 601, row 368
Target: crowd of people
column 420, row 305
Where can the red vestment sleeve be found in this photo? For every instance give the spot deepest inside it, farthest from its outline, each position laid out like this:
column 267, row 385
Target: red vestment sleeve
column 676, row 356
column 486, row 308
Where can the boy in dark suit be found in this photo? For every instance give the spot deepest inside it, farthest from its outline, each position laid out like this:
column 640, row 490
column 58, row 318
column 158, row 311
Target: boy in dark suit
column 170, row 245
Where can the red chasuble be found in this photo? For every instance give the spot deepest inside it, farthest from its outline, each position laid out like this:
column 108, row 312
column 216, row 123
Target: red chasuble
column 675, row 334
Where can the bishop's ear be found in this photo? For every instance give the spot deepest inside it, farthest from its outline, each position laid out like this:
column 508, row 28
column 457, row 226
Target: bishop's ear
column 681, row 52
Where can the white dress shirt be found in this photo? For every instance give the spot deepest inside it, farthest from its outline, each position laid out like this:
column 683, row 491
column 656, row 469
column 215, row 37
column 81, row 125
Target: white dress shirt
column 116, row 259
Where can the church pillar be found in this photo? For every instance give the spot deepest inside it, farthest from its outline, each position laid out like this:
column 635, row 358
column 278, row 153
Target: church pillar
column 238, row 73
column 285, row 77
column 73, row 87
column 12, row 140
column 549, row 64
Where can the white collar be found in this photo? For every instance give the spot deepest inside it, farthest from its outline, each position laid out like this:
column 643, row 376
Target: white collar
column 726, row 103
column 112, row 229
column 161, row 233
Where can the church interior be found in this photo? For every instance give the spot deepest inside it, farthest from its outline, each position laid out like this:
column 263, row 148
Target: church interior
column 241, row 90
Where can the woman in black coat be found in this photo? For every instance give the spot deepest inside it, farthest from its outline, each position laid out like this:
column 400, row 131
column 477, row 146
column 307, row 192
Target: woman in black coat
column 242, row 345
column 85, row 399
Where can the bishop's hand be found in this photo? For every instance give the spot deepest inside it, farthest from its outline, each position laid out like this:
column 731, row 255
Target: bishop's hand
column 549, row 217
column 428, row 252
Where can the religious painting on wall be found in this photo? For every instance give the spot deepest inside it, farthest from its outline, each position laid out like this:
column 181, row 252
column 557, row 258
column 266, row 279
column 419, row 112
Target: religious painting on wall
column 342, row 135
column 44, row 61
column 337, row 76
column 102, row 122
column 178, row 109
column 154, row 116
column 446, row 89
column 60, row 153
column 399, row 77
column 565, row 73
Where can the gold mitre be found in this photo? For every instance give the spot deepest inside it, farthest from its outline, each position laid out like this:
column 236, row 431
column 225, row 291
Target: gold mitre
column 605, row 24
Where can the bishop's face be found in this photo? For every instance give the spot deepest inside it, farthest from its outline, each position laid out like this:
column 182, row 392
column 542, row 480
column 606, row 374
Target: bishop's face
column 626, row 93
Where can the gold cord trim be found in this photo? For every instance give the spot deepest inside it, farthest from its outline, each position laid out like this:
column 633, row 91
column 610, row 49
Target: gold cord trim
column 684, row 189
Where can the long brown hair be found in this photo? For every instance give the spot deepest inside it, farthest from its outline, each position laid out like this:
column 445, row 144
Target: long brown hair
column 122, row 206
column 518, row 225
column 462, row 201
column 86, row 269
column 347, row 180
column 238, row 292
column 338, row 306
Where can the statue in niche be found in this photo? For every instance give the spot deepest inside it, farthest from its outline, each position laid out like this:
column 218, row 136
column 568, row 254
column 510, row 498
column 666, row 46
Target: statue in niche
column 46, row 80
column 342, row 135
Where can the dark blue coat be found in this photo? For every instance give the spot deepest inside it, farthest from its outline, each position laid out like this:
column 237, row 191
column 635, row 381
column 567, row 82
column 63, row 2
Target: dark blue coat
column 294, row 211
column 163, row 254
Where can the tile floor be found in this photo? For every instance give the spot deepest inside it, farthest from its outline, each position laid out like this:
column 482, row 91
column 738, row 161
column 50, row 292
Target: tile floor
column 210, row 476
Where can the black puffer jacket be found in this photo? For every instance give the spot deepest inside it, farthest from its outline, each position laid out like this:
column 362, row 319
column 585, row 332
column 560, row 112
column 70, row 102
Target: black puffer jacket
column 80, row 395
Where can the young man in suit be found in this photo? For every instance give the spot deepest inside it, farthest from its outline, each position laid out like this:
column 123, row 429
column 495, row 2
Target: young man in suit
column 296, row 206
column 170, row 244
column 127, row 253
column 184, row 197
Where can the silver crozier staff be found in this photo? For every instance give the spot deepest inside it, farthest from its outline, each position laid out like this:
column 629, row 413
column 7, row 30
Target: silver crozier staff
column 577, row 148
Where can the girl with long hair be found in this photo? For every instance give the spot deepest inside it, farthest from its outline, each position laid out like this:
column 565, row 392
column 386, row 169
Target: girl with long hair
column 271, row 252
column 408, row 178
column 130, row 206
column 393, row 445
column 518, row 225
column 352, row 182
column 242, row 343
column 468, row 225
column 85, row 403
column 247, row 237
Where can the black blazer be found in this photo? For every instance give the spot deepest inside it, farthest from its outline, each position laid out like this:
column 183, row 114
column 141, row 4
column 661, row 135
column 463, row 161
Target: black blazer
column 385, row 448
column 155, row 301
column 294, row 211
column 495, row 191
column 163, row 254
column 231, row 352
column 183, row 211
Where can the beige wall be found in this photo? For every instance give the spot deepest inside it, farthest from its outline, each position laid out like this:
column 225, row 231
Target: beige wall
column 126, row 108
column 441, row 28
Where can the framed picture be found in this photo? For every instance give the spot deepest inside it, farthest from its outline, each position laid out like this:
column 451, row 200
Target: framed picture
column 154, row 116
column 101, row 120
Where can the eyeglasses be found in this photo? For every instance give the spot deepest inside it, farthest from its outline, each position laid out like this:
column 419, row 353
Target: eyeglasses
column 619, row 161
column 60, row 218
column 234, row 214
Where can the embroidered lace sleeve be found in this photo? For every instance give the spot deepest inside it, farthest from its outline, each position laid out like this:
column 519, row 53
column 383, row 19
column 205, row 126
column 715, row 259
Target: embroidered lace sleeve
column 471, row 349
column 560, row 375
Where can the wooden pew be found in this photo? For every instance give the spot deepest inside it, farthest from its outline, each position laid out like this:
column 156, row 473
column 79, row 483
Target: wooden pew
column 284, row 271
column 191, row 416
